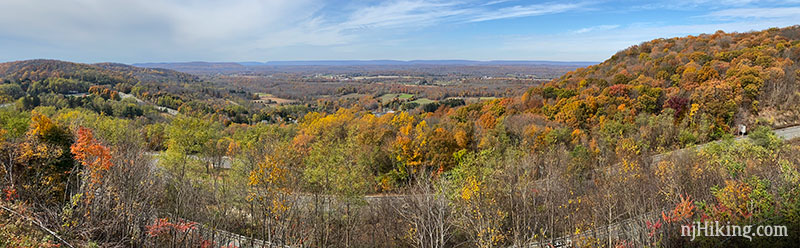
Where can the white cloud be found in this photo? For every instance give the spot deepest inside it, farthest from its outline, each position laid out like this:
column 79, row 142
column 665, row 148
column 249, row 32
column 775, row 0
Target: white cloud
column 595, row 28
column 127, row 28
column 684, row 5
column 416, row 13
column 403, row 14
column 209, row 29
column 716, row 2
column 527, row 10
column 496, row 2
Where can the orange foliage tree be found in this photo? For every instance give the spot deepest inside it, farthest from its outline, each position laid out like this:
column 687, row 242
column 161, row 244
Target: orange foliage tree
column 95, row 157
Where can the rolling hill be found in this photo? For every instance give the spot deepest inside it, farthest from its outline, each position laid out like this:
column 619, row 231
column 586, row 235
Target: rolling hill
column 720, row 79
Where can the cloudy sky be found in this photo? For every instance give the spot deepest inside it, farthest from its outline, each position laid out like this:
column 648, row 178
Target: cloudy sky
column 131, row 31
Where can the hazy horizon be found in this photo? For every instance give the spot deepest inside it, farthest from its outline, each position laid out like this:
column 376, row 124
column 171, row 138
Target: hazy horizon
column 375, row 61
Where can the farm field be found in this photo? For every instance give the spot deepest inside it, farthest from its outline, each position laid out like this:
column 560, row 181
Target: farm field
column 389, row 97
column 270, row 99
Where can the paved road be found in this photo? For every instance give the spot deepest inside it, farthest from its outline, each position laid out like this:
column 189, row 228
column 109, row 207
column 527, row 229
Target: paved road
column 786, row 133
column 165, row 109
column 124, row 96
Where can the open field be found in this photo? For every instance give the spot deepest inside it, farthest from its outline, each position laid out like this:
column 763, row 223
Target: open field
column 423, row 101
column 353, row 96
column 270, row 99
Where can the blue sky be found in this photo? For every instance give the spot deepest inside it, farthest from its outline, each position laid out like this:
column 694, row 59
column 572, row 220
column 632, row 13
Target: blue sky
column 131, row 31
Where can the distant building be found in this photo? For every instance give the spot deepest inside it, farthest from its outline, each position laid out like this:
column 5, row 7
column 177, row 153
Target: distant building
column 379, row 113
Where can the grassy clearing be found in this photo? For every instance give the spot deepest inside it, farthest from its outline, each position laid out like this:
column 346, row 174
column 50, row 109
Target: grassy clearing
column 266, row 97
column 423, row 101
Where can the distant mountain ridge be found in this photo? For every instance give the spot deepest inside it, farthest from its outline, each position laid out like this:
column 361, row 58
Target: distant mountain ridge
column 232, row 65
column 429, row 62
column 192, row 66
column 540, row 68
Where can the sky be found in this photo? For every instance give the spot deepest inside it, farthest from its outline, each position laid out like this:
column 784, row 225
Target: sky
column 133, row 31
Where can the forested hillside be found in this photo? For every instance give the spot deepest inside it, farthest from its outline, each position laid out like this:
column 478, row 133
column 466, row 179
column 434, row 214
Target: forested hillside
column 717, row 79
column 65, row 84
column 582, row 152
